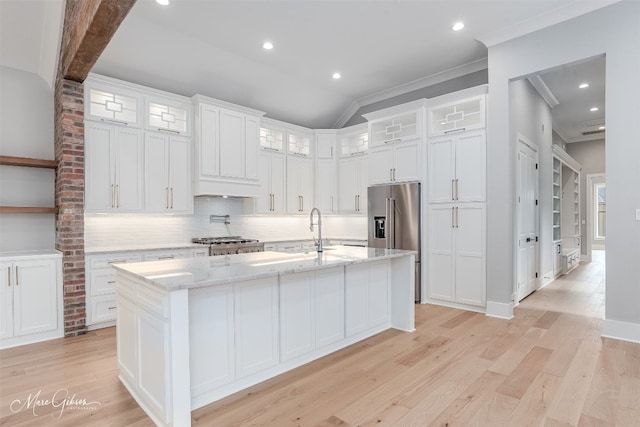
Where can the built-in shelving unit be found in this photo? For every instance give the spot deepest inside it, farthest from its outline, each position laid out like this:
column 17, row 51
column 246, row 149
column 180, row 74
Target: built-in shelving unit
column 30, row 163
column 557, row 192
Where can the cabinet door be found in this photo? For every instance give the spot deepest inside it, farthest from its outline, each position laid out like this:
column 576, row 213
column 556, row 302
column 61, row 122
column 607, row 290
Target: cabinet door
column 211, row 338
column 305, row 184
column 35, row 297
column 329, row 306
column 356, row 298
column 378, row 293
column 252, row 141
column 156, row 162
column 407, row 162
column 232, row 159
column 297, row 315
column 326, row 145
column 441, row 170
column 294, row 204
column 256, row 325
column 349, row 172
column 129, row 170
column 180, row 175
column 470, row 255
column 363, row 184
column 6, row 300
column 126, row 339
column 470, row 167
column 326, row 189
column 441, row 252
column 278, row 182
column 380, row 165
column 208, row 153
column 263, row 201
column 99, row 167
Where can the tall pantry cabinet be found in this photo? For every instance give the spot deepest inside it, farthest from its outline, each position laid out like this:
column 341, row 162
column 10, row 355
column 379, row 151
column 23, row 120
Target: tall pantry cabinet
column 456, row 213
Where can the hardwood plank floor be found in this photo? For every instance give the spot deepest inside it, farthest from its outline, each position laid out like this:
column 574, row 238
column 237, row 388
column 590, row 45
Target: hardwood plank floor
column 546, row 367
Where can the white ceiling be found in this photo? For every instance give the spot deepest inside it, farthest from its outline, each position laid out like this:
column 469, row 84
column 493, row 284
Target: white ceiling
column 572, row 116
column 213, row 47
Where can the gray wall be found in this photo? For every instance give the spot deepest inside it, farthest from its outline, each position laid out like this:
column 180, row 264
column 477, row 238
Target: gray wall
column 591, row 155
column 612, row 31
column 470, row 80
column 26, row 130
column 528, row 114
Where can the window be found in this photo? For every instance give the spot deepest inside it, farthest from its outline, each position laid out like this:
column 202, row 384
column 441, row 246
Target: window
column 600, row 210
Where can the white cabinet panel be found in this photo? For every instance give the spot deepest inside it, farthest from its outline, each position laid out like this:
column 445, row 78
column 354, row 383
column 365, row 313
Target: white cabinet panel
column 6, row 300
column 326, row 186
column 329, row 306
column 354, row 181
column 126, row 337
column 326, row 144
column 457, row 253
column 394, row 163
column 113, row 105
column 381, row 165
column 152, row 335
column 251, row 139
column 273, row 183
column 34, row 296
column 297, row 315
column 207, row 137
column 256, row 325
column 378, row 304
column 466, row 114
column 231, row 144
column 394, row 129
column 356, row 298
column 299, row 184
column 211, row 338
column 114, row 168
column 180, row 175
column 457, row 168
column 168, row 114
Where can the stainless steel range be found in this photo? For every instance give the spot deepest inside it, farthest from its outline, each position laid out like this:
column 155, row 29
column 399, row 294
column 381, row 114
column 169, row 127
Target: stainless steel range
column 229, row 245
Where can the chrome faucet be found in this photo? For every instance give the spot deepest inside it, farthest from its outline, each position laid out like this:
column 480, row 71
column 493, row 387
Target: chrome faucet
column 319, row 224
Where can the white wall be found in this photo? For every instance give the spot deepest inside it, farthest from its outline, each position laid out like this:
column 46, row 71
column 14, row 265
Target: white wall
column 591, row 155
column 612, row 31
column 529, row 113
column 26, row 130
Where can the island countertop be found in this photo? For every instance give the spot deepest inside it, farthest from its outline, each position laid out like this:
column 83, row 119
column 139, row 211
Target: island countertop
column 176, row 274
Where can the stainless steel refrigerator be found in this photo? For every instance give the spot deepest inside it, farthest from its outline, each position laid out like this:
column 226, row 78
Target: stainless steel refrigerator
column 394, row 220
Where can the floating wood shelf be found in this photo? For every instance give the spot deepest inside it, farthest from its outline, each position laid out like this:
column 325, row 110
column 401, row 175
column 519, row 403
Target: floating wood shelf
column 27, row 209
column 28, row 162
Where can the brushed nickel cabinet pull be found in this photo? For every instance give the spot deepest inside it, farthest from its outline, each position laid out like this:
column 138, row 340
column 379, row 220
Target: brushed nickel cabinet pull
column 457, row 189
column 113, row 196
column 117, row 195
column 9, row 276
column 112, row 308
column 453, row 193
column 453, row 213
column 171, row 197
column 17, row 281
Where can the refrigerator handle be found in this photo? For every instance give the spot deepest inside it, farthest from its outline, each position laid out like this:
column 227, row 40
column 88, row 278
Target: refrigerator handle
column 391, row 223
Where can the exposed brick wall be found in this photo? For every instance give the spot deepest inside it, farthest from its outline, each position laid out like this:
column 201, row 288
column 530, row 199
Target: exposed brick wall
column 69, row 152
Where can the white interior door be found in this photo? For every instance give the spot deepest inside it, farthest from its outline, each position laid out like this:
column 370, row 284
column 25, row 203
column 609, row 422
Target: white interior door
column 527, row 202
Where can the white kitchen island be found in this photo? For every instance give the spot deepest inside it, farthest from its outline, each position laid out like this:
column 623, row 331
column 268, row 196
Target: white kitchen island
column 192, row 331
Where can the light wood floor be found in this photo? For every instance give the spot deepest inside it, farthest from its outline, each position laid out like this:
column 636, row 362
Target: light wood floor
column 548, row 366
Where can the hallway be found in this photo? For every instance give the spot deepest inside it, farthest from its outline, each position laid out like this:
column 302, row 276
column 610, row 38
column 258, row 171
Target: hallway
column 580, row 292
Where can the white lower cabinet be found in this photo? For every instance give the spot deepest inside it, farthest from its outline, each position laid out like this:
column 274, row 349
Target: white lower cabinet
column 256, row 325
column 311, row 311
column 366, row 296
column 456, row 258
column 30, row 299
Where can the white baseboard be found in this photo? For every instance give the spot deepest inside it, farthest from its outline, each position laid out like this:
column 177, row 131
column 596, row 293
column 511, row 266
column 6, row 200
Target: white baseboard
column 585, row 258
column 621, row 330
column 500, row 310
column 546, row 279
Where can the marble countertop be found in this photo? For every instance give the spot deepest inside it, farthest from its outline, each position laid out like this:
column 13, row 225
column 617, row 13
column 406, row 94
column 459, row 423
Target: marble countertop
column 35, row 254
column 140, row 248
column 190, row 273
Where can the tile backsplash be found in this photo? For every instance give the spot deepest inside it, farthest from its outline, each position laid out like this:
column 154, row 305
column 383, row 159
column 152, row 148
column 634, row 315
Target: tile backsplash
column 120, row 231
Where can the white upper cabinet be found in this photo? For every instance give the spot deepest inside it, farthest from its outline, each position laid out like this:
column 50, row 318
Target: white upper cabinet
column 326, row 144
column 457, row 168
column 395, row 163
column 272, row 183
column 167, row 173
column 112, row 103
column 299, row 144
column 456, row 116
column 299, row 185
column 227, row 146
column 114, row 166
column 396, row 124
column 272, row 139
column 353, row 140
column 353, row 173
column 168, row 115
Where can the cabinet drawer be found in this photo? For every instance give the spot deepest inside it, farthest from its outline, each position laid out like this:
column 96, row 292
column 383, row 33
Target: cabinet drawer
column 106, row 261
column 162, row 255
column 103, row 309
column 103, row 281
column 289, row 247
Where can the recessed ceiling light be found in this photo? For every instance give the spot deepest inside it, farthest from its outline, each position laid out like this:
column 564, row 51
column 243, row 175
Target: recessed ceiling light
column 601, row 128
column 163, row 2
column 458, row 26
column 336, row 76
column 594, row 109
column 267, row 45
column 584, row 85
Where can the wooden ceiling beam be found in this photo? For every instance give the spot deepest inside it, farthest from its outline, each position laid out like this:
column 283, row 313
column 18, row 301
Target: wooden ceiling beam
column 89, row 25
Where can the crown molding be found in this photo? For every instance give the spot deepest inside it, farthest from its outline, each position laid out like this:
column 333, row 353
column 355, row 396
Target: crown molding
column 443, row 76
column 544, row 91
column 547, row 19
column 346, row 115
